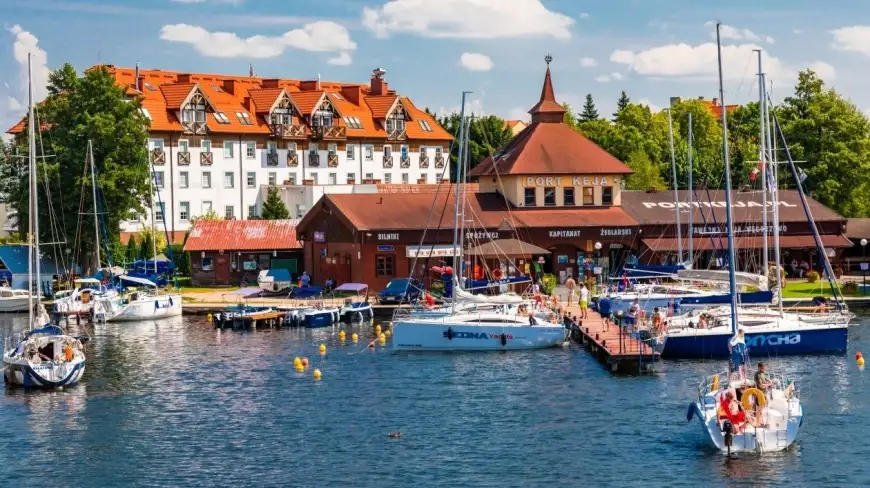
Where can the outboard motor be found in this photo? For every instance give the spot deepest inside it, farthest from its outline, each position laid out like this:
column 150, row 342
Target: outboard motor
column 728, row 430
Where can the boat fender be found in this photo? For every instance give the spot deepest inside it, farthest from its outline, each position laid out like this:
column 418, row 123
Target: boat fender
column 170, row 301
column 503, row 339
column 360, row 316
column 275, row 287
column 450, row 333
column 753, row 393
column 691, row 413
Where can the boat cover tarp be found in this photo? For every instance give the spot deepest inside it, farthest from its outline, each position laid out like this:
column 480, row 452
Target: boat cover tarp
column 721, row 276
column 356, row 287
column 478, row 284
column 248, row 292
column 46, row 330
column 306, row 291
column 280, row 274
column 139, row 281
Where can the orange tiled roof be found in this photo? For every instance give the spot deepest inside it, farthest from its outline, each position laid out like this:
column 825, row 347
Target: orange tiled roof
column 162, row 93
column 243, row 235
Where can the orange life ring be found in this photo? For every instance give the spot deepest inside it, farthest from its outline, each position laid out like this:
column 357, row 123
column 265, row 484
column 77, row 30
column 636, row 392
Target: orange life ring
column 496, row 274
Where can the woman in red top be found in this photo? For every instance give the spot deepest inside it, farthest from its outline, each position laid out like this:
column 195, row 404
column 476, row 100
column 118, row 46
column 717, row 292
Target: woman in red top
column 731, row 410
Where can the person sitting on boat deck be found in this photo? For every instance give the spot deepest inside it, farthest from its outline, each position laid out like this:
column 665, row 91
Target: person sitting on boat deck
column 532, row 319
column 762, row 381
column 429, row 301
column 68, row 353
column 731, row 410
column 702, row 321
column 657, row 318
column 821, row 304
column 738, row 354
column 539, row 301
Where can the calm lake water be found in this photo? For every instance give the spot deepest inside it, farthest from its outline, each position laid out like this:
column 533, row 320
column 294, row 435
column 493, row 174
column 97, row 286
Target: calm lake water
column 178, row 403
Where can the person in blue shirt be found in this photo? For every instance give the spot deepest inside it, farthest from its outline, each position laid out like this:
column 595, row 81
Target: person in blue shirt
column 305, row 279
column 738, row 354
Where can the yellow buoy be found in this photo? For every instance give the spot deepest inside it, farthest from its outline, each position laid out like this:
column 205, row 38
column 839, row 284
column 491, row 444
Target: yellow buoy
column 387, row 332
column 377, row 330
column 860, row 362
column 382, row 339
column 209, row 318
column 354, row 337
column 317, row 374
column 297, row 362
column 323, row 349
column 300, row 368
column 341, row 335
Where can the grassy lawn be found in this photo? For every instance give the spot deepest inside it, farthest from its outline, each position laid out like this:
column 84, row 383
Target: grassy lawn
column 802, row 289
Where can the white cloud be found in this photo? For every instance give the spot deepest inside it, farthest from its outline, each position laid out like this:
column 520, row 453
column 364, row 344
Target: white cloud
column 797, row 32
column 583, row 15
column 343, row 59
column 518, row 113
column 588, row 62
column 13, row 105
column 603, row 79
column 25, row 42
column 769, row 40
column 653, row 107
column 475, row 62
column 320, row 36
column 854, row 39
column 478, row 19
column 700, row 62
column 617, row 76
column 727, row 32
column 234, row 2
column 824, row 70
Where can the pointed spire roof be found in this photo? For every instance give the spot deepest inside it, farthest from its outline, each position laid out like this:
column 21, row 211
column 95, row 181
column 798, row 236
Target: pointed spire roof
column 547, row 109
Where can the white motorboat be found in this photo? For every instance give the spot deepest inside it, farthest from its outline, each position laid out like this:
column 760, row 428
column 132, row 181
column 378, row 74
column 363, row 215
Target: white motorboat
column 484, row 331
column 138, row 305
column 80, row 300
column 12, row 300
column 356, row 308
column 43, row 358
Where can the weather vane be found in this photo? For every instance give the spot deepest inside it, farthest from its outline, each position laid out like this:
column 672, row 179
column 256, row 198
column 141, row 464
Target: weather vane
column 549, row 59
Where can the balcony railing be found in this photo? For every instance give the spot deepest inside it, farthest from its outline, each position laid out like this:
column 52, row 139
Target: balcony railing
column 288, row 131
column 158, row 156
column 206, row 158
column 313, row 160
column 333, row 132
column 424, row 161
column 332, row 160
column 183, row 158
column 397, row 135
column 388, row 161
column 405, row 161
column 272, row 159
column 292, row 159
column 439, row 161
column 198, row 128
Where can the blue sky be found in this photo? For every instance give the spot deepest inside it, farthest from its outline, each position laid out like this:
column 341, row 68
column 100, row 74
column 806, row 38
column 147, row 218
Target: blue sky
column 432, row 50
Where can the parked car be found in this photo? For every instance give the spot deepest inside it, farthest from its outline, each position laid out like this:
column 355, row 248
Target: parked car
column 401, row 290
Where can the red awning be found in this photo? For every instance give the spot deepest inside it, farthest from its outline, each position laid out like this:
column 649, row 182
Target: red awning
column 708, row 243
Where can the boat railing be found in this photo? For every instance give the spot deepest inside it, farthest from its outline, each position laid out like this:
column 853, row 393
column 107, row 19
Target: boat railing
column 400, row 314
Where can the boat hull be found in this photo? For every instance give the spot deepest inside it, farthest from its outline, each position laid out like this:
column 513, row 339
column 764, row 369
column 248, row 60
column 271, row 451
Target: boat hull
column 46, row 375
column 781, row 434
column 357, row 313
column 320, row 318
column 808, row 340
column 422, row 336
column 149, row 309
column 14, row 304
column 690, row 302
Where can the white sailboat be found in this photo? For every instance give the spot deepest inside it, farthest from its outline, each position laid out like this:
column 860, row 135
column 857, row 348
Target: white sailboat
column 736, row 413
column 44, row 356
column 506, row 327
column 12, row 300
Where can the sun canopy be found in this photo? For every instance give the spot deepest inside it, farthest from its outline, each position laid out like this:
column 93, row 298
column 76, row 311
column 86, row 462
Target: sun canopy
column 140, row 281
column 251, row 291
column 506, row 247
column 357, row 287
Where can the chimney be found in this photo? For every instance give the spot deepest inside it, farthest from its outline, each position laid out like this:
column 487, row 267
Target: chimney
column 136, row 78
column 230, row 86
column 309, row 85
column 715, row 102
column 183, row 78
column 248, row 105
column 271, row 83
column 352, row 93
column 379, row 85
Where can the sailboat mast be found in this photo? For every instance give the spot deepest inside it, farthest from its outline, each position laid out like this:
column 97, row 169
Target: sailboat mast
column 676, row 186
column 729, row 224
column 33, row 239
column 464, row 179
column 94, row 190
column 691, row 197
column 774, row 196
column 763, row 161
column 153, row 226
column 457, row 259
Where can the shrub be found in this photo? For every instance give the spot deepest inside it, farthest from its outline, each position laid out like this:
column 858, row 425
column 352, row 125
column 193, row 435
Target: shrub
column 548, row 283
column 850, row 287
column 813, row 276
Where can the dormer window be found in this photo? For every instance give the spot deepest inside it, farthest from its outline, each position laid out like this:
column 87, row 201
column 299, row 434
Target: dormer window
column 194, row 111
column 396, row 121
column 323, row 116
column 283, row 113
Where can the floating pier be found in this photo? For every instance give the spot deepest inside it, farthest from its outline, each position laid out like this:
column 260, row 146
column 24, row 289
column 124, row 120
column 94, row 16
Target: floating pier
column 612, row 346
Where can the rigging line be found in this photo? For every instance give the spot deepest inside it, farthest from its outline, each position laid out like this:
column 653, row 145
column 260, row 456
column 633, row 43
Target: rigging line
column 53, row 222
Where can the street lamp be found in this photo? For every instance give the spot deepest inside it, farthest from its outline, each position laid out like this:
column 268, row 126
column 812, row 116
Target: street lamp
column 864, row 264
column 598, row 260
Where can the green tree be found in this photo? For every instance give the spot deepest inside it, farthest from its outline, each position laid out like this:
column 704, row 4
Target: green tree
column 647, row 175
column 589, row 112
column 621, row 104
column 82, row 108
column 570, row 117
column 273, row 207
column 132, row 253
column 146, row 249
column 209, row 215
column 487, row 135
column 832, row 135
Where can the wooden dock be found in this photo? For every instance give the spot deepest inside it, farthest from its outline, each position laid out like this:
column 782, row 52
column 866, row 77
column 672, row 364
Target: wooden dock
column 612, row 346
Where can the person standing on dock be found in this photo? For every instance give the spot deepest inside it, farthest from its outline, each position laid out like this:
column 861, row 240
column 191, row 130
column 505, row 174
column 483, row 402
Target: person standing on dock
column 570, row 284
column 584, row 301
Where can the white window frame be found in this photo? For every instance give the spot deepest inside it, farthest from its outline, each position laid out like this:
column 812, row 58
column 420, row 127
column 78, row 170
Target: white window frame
column 370, row 152
column 186, row 145
column 206, row 206
column 157, row 143
column 229, row 212
column 332, row 149
column 388, row 178
column 406, row 178
column 232, row 179
column 370, row 176
column 351, row 152
column 314, row 178
column 250, row 150
column 252, row 211
column 333, row 178
column 351, row 177
column 160, row 212
column 292, row 178
column 205, row 145
column 183, row 179
column 228, row 149
column 161, row 181
column 206, row 175
column 249, row 177
column 184, row 211
column 273, row 178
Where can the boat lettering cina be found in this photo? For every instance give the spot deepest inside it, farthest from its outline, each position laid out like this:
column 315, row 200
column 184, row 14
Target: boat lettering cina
column 478, row 335
column 773, row 340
